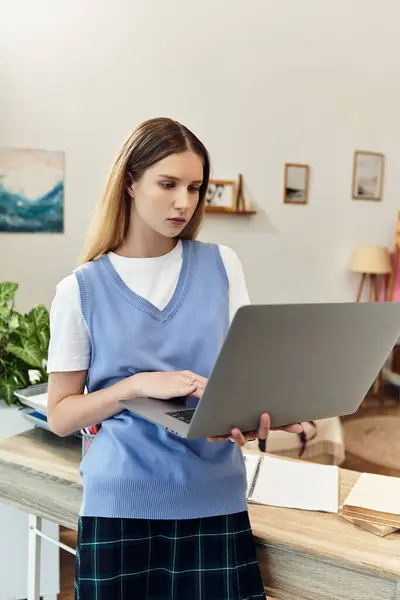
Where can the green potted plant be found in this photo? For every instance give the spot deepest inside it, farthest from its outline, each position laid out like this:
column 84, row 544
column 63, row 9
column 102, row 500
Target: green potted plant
column 24, row 342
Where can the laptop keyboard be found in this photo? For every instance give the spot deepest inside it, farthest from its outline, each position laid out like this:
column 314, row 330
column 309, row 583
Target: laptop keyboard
column 182, row 415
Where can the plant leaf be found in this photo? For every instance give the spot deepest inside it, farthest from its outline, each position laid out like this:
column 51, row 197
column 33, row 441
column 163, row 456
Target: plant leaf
column 14, row 321
column 40, row 317
column 7, row 292
column 20, row 378
column 7, row 389
column 27, row 329
column 18, row 369
column 5, row 311
column 29, row 352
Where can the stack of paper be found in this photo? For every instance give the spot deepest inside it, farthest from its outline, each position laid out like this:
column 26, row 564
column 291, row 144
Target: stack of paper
column 375, row 499
column 376, row 528
column 39, row 401
column 292, row 484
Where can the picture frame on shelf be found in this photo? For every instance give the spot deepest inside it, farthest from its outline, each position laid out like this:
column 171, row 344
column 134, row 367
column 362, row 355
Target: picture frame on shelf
column 221, row 195
column 296, row 183
column 368, row 173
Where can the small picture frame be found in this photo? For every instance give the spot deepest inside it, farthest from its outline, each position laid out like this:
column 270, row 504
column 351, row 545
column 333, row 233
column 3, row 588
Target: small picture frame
column 296, row 183
column 221, row 195
column 368, row 170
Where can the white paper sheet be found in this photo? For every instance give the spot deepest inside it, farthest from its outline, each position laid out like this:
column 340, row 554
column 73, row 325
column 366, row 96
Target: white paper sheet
column 376, row 492
column 297, row 484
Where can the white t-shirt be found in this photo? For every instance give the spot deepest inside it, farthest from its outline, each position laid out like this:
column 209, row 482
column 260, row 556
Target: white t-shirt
column 154, row 279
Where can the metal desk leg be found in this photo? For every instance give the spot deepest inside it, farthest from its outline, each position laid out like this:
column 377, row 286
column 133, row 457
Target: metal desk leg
column 35, row 525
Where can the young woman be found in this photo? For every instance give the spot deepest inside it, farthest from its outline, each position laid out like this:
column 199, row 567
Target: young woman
column 145, row 315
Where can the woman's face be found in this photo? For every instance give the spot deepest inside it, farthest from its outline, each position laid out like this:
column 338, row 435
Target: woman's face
column 167, row 194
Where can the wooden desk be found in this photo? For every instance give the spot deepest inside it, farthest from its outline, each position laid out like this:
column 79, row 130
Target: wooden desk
column 303, row 555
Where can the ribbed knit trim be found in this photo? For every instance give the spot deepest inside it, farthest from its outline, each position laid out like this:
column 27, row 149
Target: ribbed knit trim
column 85, row 306
column 143, row 303
column 83, row 294
column 124, row 498
column 221, row 266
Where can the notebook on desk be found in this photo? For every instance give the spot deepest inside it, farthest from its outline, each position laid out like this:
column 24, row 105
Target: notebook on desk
column 374, row 498
column 375, row 528
column 295, row 484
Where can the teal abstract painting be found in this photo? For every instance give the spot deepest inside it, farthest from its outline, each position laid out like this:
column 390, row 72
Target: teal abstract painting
column 31, row 191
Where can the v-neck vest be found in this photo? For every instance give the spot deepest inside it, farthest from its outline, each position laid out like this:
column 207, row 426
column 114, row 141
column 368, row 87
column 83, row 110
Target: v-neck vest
column 135, row 469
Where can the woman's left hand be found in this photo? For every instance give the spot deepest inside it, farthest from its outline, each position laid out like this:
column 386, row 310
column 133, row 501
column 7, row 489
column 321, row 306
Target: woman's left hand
column 262, row 433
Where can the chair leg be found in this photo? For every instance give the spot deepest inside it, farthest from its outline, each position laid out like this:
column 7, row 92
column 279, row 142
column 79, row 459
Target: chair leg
column 35, row 524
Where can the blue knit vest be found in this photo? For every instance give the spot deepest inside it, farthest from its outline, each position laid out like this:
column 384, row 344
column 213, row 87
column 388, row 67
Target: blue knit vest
column 134, row 468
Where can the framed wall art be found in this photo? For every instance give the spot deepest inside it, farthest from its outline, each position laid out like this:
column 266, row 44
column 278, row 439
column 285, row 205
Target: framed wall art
column 221, row 195
column 296, row 181
column 368, row 170
column 31, row 191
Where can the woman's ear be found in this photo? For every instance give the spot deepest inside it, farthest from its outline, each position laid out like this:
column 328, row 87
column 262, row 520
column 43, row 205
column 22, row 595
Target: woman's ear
column 130, row 186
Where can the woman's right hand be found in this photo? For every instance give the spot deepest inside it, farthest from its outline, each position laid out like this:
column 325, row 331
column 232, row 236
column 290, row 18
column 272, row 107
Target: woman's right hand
column 168, row 385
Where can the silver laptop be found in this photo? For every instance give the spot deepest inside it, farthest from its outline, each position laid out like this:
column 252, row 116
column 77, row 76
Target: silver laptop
column 296, row 362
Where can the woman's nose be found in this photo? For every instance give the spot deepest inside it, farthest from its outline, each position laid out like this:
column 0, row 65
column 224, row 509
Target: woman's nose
column 181, row 200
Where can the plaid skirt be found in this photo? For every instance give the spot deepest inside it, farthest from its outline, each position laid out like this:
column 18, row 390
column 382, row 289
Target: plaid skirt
column 135, row 559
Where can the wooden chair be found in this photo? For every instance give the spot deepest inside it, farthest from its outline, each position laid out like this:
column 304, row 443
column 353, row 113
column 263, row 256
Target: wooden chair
column 395, row 262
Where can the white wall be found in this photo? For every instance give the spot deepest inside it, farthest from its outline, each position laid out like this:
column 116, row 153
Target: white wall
column 261, row 82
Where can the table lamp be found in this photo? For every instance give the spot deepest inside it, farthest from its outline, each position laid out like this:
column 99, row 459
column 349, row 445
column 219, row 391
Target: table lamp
column 370, row 262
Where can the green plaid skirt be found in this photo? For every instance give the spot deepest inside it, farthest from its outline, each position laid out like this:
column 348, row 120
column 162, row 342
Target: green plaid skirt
column 136, row 559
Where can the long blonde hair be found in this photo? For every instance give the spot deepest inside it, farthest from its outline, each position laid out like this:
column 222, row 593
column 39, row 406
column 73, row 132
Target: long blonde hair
column 151, row 142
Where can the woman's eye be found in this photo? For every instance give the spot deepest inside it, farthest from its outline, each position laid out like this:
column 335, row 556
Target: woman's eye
column 194, row 189
column 167, row 185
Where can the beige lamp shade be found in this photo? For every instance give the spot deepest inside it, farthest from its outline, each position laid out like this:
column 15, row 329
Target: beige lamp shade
column 370, row 259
